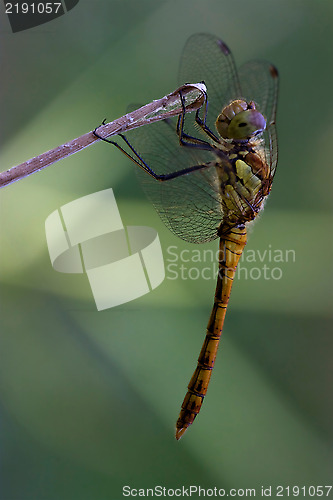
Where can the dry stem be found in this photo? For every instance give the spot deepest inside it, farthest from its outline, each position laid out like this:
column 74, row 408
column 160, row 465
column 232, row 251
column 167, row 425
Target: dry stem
column 160, row 109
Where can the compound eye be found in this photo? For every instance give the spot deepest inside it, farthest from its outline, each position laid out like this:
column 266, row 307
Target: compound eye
column 246, row 124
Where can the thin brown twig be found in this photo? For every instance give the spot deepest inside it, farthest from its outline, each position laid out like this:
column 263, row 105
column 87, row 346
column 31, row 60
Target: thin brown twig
column 166, row 107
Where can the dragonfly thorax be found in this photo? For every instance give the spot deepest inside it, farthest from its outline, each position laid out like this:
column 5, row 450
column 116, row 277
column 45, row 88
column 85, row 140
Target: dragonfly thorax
column 240, row 121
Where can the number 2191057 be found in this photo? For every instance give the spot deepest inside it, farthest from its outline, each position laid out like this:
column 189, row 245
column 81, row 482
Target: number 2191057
column 32, row 8
column 295, row 491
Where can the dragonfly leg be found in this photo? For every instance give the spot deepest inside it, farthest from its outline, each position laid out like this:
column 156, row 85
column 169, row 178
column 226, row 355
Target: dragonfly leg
column 143, row 165
column 138, row 160
column 202, row 124
column 248, row 216
column 186, row 139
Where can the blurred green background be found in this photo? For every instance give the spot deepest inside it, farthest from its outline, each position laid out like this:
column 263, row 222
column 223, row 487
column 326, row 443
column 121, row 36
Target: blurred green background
column 89, row 399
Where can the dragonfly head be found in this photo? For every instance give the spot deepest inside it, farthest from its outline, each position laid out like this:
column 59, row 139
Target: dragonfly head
column 240, row 121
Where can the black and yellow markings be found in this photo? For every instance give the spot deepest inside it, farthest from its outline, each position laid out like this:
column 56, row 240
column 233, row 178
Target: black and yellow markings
column 248, row 179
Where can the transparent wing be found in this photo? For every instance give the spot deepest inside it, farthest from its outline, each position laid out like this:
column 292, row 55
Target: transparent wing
column 206, row 58
column 259, row 83
column 189, row 205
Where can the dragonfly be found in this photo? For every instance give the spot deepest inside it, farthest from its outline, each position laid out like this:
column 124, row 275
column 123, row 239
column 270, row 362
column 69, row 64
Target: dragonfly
column 209, row 175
